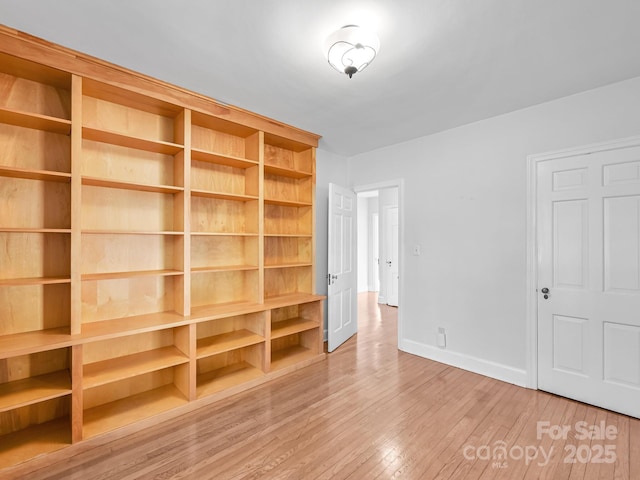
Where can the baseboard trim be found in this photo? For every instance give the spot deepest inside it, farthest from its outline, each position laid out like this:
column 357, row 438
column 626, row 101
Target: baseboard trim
column 466, row 362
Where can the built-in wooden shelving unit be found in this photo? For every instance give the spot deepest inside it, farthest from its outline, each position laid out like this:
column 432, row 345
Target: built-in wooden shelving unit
column 158, row 249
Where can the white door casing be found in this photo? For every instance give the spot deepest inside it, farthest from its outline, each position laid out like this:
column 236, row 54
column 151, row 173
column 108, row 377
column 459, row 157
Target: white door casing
column 588, row 257
column 342, row 276
column 391, row 261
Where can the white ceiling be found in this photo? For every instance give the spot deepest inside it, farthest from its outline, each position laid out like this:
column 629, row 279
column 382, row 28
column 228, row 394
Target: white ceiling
column 442, row 63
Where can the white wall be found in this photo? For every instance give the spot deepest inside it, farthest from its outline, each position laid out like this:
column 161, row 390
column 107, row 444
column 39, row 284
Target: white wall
column 330, row 168
column 465, row 204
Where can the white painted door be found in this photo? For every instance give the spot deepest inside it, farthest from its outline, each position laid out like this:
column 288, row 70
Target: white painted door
column 375, row 265
column 392, row 226
column 342, row 278
column 589, row 260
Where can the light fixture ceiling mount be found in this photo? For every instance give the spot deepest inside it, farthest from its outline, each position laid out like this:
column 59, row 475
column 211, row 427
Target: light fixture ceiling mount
column 351, row 49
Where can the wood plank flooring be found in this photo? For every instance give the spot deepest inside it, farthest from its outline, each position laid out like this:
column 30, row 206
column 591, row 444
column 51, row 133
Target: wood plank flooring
column 368, row 412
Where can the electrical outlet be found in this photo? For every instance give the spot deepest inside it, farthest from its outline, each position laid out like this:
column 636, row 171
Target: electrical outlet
column 416, row 250
column 442, row 338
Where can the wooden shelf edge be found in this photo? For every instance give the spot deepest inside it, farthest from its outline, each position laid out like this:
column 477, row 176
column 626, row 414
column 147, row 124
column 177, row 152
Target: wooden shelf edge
column 124, row 275
column 213, row 312
column 289, row 265
column 125, row 326
column 292, row 299
column 285, row 172
column 286, row 203
column 223, row 234
column 130, row 232
column 226, row 342
column 222, row 196
column 123, row 185
column 28, row 391
column 290, row 326
column 35, row 230
column 34, row 174
column 228, row 268
column 201, row 155
column 128, row 141
column 288, row 235
column 17, row 344
column 35, row 121
column 17, row 282
column 129, row 366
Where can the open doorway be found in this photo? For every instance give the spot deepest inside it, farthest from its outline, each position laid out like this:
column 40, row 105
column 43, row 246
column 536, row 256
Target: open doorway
column 378, row 243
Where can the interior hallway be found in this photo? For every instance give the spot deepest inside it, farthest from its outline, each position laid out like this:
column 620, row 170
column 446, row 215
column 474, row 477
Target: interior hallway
column 369, row 411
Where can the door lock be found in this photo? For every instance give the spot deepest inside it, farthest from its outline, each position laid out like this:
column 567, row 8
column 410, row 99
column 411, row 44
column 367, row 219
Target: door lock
column 545, row 291
column 331, row 278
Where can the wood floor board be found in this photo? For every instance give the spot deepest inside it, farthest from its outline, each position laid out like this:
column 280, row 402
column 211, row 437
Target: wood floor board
column 369, row 411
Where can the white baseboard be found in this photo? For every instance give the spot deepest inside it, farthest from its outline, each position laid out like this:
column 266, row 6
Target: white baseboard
column 487, row 368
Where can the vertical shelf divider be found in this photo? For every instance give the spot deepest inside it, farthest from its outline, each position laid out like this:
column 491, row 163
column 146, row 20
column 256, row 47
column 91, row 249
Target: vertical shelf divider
column 77, row 410
column 260, row 155
column 313, row 227
column 76, row 204
column 182, row 175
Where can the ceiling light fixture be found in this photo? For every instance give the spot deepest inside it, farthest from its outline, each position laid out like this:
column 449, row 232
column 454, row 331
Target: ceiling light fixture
column 351, row 49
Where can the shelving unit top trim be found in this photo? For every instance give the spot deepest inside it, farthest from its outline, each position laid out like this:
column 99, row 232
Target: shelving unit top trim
column 20, row 44
column 19, row 67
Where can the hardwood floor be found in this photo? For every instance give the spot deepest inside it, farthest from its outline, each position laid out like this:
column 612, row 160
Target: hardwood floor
column 369, row 411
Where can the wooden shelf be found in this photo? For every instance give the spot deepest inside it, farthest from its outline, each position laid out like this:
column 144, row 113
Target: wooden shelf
column 129, row 232
column 119, row 327
column 290, row 356
column 35, row 230
column 116, row 275
column 115, row 138
column 35, row 121
column 32, row 342
column 286, row 203
column 223, row 196
column 290, row 265
column 32, row 390
column 224, row 234
column 103, row 182
column 129, row 366
column 286, row 172
column 24, row 444
column 212, row 312
column 117, row 414
column 288, row 235
column 291, row 299
column 226, row 377
column 31, row 174
column 226, row 342
column 220, row 159
column 225, row 268
column 291, row 326
column 33, row 281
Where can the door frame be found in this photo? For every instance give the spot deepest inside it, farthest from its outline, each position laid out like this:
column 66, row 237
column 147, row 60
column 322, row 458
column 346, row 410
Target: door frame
column 399, row 184
column 532, row 233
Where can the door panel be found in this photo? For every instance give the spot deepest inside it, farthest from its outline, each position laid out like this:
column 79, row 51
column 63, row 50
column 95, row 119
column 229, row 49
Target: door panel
column 342, row 312
column 589, row 258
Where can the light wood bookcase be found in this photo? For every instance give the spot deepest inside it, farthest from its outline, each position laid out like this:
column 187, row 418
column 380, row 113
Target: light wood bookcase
column 157, row 250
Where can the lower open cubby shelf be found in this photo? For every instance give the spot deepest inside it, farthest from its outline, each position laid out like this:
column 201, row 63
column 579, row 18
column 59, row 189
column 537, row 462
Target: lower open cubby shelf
column 60, row 391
